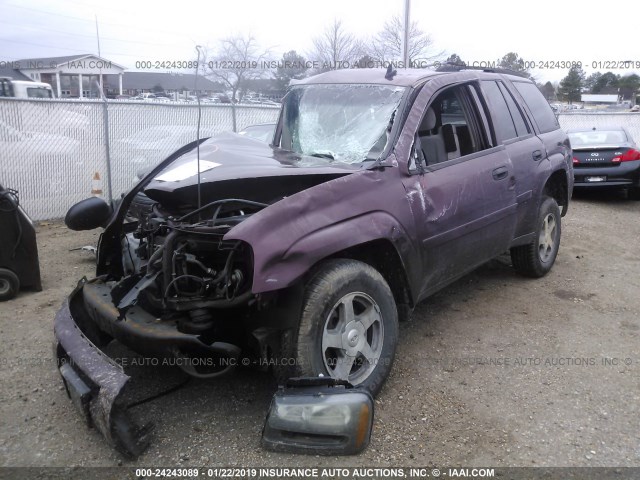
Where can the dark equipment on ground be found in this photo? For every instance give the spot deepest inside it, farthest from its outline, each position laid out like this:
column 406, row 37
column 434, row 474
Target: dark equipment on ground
column 19, row 265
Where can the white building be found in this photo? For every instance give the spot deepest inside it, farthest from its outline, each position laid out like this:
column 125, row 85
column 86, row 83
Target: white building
column 71, row 76
column 600, row 98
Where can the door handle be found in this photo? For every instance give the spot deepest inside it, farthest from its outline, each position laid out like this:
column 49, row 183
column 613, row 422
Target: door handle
column 500, row 173
column 537, row 155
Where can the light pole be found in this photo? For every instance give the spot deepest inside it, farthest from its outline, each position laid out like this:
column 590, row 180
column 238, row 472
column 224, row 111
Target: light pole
column 405, row 39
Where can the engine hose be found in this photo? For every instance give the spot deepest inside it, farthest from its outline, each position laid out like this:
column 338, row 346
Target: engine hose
column 172, row 282
column 167, row 257
column 220, row 202
column 237, row 301
column 198, row 263
column 154, row 258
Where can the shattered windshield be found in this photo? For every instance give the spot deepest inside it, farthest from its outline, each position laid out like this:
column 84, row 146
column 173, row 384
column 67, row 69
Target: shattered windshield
column 342, row 123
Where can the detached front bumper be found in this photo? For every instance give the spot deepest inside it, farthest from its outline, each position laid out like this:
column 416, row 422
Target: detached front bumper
column 95, row 383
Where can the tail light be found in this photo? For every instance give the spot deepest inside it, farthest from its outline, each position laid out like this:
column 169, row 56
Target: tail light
column 575, row 161
column 627, row 156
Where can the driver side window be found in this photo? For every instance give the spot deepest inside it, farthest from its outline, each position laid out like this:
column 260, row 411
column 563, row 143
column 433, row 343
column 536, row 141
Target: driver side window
column 450, row 127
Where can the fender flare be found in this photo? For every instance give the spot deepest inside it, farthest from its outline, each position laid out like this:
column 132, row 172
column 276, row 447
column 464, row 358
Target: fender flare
column 275, row 269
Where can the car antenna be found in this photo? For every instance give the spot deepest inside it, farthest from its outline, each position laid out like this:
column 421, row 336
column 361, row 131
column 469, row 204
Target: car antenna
column 195, row 88
column 390, row 72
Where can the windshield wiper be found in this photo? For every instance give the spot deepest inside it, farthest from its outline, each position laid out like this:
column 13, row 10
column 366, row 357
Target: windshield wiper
column 322, row 155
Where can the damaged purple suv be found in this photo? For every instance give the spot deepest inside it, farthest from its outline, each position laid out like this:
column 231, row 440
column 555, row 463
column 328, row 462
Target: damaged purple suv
column 376, row 191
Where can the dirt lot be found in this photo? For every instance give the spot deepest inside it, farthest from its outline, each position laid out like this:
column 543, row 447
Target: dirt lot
column 496, row 370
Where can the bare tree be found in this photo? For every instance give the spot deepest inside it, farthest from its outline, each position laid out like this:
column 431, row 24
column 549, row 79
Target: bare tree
column 236, row 59
column 335, row 48
column 386, row 45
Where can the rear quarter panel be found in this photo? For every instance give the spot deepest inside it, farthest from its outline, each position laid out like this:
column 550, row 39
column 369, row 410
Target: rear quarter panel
column 559, row 156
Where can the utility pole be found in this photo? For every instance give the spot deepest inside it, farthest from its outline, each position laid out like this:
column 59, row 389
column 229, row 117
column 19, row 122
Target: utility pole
column 99, row 54
column 405, row 40
column 98, row 36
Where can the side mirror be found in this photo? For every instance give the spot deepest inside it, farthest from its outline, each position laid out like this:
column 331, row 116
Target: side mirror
column 320, row 416
column 88, row 214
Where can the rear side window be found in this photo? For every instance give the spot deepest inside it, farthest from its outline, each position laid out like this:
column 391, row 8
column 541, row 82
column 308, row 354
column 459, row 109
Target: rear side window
column 540, row 109
column 516, row 114
column 499, row 111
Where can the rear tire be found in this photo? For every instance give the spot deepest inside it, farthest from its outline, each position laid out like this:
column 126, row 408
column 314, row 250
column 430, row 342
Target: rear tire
column 9, row 284
column 349, row 325
column 536, row 259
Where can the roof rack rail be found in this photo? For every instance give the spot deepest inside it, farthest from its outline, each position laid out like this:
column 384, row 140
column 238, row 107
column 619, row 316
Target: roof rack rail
column 455, row 67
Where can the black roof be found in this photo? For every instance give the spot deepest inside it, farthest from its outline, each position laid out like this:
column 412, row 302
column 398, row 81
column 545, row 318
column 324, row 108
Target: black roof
column 403, row 77
column 55, row 61
column 24, row 63
column 168, row 81
column 7, row 71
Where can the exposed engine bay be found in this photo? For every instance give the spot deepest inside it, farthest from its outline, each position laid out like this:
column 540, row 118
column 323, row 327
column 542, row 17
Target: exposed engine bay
column 175, row 279
column 171, row 281
column 182, row 267
column 181, row 280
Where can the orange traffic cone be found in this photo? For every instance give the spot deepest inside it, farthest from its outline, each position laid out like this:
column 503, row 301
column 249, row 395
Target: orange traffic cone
column 96, row 185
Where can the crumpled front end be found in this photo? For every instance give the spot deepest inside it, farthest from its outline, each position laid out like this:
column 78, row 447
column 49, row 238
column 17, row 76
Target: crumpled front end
column 182, row 296
column 88, row 321
column 170, row 284
column 93, row 381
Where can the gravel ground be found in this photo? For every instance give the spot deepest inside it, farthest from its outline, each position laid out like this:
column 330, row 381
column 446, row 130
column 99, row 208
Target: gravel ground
column 496, row 370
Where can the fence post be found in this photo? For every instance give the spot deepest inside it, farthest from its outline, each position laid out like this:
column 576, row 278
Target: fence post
column 233, row 117
column 107, row 146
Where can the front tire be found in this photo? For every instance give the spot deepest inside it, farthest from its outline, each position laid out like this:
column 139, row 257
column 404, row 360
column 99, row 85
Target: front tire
column 349, row 325
column 536, row 259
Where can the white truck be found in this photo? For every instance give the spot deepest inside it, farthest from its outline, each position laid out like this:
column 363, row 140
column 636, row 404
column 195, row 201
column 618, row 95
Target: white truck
column 24, row 89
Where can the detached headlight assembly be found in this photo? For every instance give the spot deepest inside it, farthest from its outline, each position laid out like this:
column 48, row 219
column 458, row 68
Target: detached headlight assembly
column 319, row 415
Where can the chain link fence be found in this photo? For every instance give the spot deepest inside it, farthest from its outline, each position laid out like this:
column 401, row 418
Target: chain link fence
column 54, row 152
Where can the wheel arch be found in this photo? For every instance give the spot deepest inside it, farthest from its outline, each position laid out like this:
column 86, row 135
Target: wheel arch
column 379, row 253
column 557, row 187
column 278, row 266
column 382, row 255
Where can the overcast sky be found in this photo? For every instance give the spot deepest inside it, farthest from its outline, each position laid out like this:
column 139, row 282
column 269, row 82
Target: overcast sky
column 130, row 31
